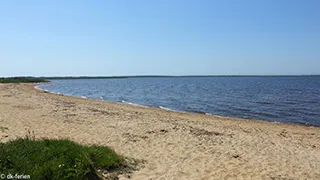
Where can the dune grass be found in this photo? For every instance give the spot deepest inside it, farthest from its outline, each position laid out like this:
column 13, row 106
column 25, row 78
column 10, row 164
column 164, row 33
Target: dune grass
column 56, row 159
column 22, row 80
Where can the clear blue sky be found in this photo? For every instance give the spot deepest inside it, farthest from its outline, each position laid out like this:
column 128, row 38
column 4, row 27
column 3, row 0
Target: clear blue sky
column 159, row 37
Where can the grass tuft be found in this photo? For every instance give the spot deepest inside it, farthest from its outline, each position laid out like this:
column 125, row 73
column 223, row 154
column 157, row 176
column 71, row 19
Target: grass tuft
column 56, row 159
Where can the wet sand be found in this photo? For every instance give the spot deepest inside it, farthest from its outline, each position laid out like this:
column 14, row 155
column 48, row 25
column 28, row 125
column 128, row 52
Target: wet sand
column 172, row 145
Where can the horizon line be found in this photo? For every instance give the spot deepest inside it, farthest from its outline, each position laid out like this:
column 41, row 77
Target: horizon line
column 137, row 76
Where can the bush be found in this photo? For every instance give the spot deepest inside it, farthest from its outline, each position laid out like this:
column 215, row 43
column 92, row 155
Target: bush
column 56, row 159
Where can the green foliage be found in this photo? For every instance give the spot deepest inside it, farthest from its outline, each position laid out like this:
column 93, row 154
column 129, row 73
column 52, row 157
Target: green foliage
column 22, row 80
column 56, row 159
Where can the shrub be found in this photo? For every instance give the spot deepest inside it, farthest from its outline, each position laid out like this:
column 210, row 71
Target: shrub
column 56, row 159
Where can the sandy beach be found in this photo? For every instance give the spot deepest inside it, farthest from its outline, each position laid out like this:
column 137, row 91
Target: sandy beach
column 170, row 145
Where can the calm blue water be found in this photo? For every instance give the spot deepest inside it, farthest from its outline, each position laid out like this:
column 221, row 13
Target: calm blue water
column 284, row 99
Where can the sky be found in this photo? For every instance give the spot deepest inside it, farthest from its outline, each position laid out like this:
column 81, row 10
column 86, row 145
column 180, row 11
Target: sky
column 151, row 37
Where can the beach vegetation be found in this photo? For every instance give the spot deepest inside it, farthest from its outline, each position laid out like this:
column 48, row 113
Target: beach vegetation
column 57, row 159
column 22, row 80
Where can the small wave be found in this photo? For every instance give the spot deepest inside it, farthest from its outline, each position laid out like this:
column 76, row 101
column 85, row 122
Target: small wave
column 307, row 124
column 41, row 89
column 38, row 87
column 133, row 104
column 84, row 97
column 311, row 102
column 291, row 102
column 241, row 109
column 218, row 116
column 263, row 102
column 168, row 109
column 45, row 90
column 267, row 114
column 198, row 112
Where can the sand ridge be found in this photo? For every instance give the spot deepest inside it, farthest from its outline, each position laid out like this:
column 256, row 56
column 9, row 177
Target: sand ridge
column 172, row 145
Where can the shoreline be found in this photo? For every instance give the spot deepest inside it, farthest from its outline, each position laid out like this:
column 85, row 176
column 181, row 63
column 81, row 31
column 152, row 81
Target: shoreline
column 170, row 145
column 37, row 87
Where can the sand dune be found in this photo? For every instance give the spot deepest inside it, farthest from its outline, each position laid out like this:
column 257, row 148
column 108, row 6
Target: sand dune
column 171, row 145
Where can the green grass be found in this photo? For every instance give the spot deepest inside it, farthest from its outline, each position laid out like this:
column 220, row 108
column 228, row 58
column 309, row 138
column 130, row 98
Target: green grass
column 22, row 80
column 57, row 159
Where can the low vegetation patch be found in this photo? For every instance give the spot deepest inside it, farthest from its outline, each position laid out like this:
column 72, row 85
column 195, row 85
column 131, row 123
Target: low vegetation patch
column 22, row 80
column 57, row 159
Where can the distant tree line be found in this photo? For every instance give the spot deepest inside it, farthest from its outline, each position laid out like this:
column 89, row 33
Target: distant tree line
column 22, row 80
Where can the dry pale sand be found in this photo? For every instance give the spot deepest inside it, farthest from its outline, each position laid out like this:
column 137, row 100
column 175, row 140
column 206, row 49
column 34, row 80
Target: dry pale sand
column 173, row 145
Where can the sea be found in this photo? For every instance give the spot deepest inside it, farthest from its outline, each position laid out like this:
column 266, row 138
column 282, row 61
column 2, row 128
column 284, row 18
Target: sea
column 288, row 99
